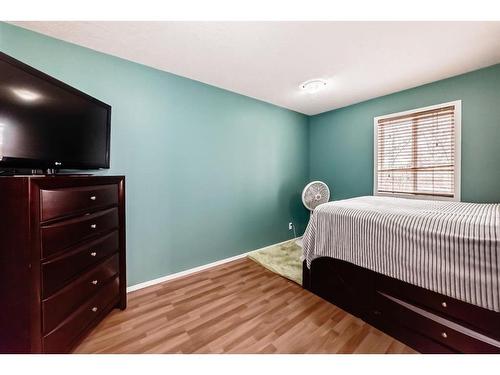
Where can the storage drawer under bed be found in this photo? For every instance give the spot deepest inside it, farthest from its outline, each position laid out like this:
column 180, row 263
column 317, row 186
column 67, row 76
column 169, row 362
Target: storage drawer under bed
column 434, row 327
column 474, row 317
column 413, row 315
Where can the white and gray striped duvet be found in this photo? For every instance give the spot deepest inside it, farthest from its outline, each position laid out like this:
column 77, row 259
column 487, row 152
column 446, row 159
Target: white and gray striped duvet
column 451, row 248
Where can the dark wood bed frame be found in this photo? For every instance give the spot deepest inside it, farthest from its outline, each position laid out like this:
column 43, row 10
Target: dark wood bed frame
column 427, row 321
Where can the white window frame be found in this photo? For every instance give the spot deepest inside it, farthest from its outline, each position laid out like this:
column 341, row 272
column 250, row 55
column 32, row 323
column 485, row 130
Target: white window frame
column 458, row 152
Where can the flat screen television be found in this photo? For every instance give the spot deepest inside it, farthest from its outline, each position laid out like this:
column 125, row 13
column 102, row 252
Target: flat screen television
column 47, row 124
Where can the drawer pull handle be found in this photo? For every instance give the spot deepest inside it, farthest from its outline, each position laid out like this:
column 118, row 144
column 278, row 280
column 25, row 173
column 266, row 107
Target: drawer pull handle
column 93, row 254
column 444, row 335
column 93, row 198
column 444, row 304
column 94, row 282
column 94, row 309
column 93, row 226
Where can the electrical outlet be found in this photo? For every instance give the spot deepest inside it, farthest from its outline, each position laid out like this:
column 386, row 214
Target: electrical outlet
column 290, row 225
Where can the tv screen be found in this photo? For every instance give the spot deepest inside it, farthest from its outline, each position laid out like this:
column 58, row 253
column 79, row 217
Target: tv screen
column 45, row 123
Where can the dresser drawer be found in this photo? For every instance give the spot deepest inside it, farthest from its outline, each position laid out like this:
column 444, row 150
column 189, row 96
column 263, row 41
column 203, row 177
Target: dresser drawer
column 58, row 272
column 62, row 202
column 57, row 307
column 61, row 235
column 64, row 336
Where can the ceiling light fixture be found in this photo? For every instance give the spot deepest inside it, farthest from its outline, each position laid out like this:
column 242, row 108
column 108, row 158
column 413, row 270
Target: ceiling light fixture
column 313, row 85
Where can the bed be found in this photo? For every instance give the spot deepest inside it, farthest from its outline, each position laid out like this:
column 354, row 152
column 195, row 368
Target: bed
column 427, row 272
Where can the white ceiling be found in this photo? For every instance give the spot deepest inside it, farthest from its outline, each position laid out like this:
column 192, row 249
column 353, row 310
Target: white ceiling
column 268, row 60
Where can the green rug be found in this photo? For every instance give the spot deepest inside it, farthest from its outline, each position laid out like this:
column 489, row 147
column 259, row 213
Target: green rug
column 283, row 259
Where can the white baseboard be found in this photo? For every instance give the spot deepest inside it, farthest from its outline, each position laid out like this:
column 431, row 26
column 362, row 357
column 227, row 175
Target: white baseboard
column 196, row 269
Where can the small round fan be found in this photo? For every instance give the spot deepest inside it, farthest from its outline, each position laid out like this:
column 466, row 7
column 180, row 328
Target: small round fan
column 314, row 194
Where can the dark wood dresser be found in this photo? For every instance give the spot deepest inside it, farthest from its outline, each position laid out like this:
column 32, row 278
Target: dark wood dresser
column 62, row 259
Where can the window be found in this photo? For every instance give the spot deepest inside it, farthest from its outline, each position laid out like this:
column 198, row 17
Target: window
column 417, row 153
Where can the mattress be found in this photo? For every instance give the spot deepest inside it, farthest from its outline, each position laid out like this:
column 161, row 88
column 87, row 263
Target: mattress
column 448, row 247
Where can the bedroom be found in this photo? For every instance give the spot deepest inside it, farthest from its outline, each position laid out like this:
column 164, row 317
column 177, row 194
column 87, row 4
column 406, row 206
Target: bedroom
column 171, row 233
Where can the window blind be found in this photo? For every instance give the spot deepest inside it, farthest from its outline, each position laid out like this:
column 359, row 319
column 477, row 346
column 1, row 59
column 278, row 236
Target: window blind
column 416, row 153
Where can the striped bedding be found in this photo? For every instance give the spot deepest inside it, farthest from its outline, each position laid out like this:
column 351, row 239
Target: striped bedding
column 452, row 248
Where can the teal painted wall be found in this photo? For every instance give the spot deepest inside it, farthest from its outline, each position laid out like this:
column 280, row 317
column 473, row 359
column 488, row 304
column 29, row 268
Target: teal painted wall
column 210, row 174
column 341, row 141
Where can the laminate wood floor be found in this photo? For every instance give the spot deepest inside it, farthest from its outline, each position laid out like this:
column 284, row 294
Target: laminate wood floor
column 237, row 307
